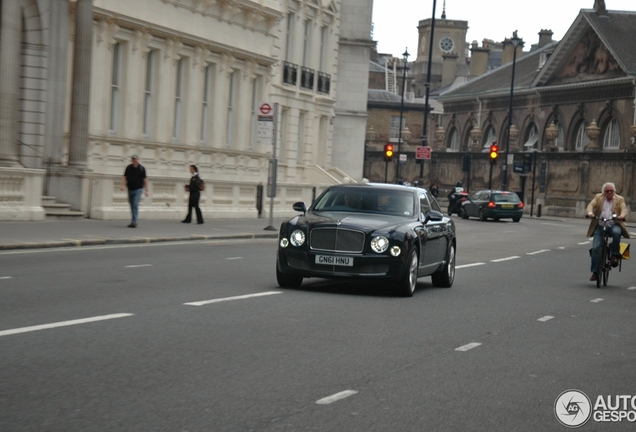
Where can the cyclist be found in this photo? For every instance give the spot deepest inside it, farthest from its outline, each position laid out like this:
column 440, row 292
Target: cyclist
column 604, row 205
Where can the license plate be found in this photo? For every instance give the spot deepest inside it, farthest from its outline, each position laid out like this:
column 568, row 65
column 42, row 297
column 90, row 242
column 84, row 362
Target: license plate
column 334, row 260
column 508, row 206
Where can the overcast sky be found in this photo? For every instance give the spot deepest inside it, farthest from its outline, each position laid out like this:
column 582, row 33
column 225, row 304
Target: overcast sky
column 395, row 21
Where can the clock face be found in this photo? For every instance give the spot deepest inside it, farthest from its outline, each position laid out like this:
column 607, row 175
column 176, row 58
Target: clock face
column 446, row 44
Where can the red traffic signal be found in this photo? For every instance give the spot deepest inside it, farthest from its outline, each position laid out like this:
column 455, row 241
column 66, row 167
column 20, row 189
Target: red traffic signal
column 494, row 153
column 388, row 152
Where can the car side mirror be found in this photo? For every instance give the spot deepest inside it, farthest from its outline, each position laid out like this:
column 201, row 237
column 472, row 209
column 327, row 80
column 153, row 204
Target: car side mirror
column 300, row 206
column 434, row 216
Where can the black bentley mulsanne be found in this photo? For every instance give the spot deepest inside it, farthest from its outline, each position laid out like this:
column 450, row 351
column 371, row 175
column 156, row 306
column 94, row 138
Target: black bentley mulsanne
column 368, row 231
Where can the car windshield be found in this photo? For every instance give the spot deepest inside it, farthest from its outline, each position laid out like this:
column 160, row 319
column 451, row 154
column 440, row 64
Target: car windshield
column 508, row 197
column 366, row 200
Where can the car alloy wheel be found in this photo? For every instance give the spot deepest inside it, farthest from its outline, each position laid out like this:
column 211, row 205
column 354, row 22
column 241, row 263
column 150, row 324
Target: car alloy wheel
column 445, row 276
column 406, row 287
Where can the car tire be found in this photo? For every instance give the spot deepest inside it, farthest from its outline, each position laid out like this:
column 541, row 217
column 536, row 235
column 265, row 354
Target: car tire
column 406, row 287
column 516, row 219
column 444, row 277
column 288, row 280
column 463, row 213
column 482, row 215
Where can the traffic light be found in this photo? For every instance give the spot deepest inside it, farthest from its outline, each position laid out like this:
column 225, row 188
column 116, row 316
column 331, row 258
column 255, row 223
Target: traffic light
column 527, row 162
column 494, row 153
column 389, row 152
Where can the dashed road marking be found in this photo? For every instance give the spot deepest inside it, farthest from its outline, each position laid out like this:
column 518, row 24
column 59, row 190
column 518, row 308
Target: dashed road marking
column 596, row 300
column 538, row 252
column 139, row 265
column 468, row 346
column 63, row 324
column 584, row 243
column 6, row 277
column 234, row 258
column 336, row 397
column 632, row 288
column 504, row 259
column 219, row 300
column 469, row 265
column 545, row 318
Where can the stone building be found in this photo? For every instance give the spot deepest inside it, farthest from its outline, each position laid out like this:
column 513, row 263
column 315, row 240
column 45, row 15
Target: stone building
column 84, row 84
column 572, row 108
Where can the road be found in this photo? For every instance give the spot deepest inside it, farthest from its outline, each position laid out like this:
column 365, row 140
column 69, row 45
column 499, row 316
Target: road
column 172, row 337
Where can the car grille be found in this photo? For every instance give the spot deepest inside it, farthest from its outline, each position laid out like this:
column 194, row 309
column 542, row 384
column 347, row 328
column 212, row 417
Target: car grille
column 337, row 240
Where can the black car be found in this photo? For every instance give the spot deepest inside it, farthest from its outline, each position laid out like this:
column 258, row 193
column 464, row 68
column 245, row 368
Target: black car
column 493, row 204
column 368, row 231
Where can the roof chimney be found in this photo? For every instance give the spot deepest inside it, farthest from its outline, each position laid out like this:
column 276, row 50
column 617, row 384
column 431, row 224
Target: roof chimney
column 545, row 37
column 508, row 51
column 599, row 7
column 449, row 68
column 478, row 59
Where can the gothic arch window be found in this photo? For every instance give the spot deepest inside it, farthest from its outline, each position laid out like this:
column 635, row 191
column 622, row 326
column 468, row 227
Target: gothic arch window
column 581, row 140
column 611, row 135
column 491, row 137
column 453, row 140
column 532, row 137
column 467, row 138
column 559, row 142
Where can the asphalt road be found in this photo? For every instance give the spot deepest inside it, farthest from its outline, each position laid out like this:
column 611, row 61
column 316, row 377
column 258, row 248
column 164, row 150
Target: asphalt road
column 172, row 337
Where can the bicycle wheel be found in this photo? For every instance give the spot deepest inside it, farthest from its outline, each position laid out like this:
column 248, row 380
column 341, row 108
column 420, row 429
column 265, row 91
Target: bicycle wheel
column 607, row 265
column 601, row 266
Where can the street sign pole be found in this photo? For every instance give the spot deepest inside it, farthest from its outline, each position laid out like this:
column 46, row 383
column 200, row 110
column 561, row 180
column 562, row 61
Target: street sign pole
column 273, row 171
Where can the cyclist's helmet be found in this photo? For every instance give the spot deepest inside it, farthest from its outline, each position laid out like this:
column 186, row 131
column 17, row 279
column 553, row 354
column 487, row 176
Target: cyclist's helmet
column 459, row 184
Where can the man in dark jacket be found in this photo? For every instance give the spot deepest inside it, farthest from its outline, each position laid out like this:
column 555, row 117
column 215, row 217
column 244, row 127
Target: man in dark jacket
column 195, row 187
column 135, row 179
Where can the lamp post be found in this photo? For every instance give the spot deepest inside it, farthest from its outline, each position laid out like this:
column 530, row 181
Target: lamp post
column 428, row 85
column 405, row 57
column 515, row 43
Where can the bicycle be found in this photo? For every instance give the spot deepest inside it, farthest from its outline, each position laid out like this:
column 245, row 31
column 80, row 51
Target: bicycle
column 605, row 256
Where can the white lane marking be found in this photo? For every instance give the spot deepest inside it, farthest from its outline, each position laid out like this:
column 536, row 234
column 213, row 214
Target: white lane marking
column 6, row 277
column 545, row 318
column 63, row 324
column 505, row 259
column 469, row 265
column 538, row 252
column 234, row 258
column 139, row 265
column 468, row 346
column 585, row 242
column 204, row 302
column 553, row 224
column 632, row 288
column 596, row 300
column 336, row 397
column 561, row 247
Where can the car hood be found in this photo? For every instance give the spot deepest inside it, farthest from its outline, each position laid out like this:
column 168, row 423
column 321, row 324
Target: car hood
column 365, row 222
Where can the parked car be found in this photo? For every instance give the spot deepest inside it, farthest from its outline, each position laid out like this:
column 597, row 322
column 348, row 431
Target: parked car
column 493, row 204
column 368, row 232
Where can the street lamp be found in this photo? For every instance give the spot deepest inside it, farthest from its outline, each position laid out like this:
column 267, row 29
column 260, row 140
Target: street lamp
column 515, row 43
column 428, row 83
column 405, row 57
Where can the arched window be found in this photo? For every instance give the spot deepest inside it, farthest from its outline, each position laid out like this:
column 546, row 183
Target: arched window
column 469, row 140
column 582, row 140
column 611, row 136
column 491, row 137
column 560, row 139
column 453, row 140
column 532, row 137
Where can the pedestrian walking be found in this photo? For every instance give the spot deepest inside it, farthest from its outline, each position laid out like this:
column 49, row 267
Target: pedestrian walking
column 135, row 180
column 195, row 187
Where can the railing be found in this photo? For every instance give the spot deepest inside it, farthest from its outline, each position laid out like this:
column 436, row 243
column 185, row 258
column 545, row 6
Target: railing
column 324, row 83
column 307, row 78
column 290, row 73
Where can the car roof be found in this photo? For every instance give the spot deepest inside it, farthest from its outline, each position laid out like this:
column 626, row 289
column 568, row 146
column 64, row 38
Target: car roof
column 496, row 191
column 383, row 186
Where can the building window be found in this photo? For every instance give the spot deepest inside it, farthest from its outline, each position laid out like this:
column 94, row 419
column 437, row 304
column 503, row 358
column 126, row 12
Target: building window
column 453, row 140
column 491, row 137
column 307, row 43
column 612, row 136
column 254, row 113
column 582, row 140
column 150, row 70
column 301, row 138
column 469, row 139
column 394, row 133
column 560, row 139
column 532, row 136
column 324, row 34
column 289, row 37
column 282, row 148
column 115, row 88
column 230, row 111
column 178, row 102
column 205, row 106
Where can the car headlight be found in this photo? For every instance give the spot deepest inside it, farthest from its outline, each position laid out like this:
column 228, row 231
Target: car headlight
column 379, row 244
column 395, row 251
column 297, row 238
column 284, row 243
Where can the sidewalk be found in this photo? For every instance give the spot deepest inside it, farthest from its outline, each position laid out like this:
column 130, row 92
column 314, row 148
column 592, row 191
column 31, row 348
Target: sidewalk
column 85, row 232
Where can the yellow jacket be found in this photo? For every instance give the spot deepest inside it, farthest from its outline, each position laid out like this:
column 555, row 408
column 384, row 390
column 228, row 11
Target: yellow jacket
column 618, row 208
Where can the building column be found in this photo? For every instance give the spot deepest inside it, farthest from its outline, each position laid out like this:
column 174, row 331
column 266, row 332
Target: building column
column 9, row 81
column 81, row 84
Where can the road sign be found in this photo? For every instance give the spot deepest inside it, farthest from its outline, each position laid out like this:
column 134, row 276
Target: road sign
column 265, row 125
column 422, row 152
column 265, row 109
